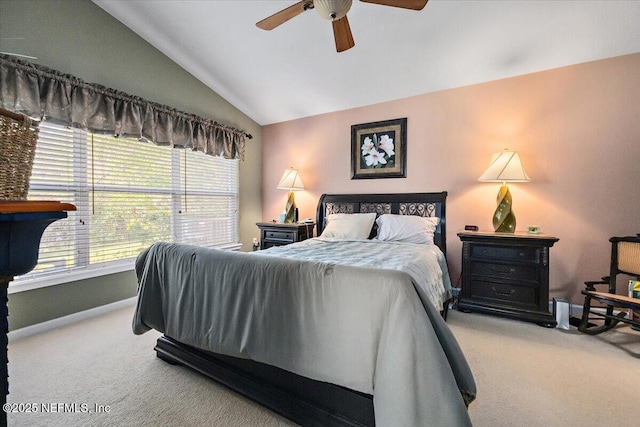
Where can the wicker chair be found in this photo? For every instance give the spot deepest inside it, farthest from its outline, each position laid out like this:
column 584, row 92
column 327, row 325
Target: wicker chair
column 625, row 260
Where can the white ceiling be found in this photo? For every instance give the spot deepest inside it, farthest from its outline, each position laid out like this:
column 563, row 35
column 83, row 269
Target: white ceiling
column 294, row 71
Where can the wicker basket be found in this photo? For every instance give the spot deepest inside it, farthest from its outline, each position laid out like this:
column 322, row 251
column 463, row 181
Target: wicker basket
column 17, row 150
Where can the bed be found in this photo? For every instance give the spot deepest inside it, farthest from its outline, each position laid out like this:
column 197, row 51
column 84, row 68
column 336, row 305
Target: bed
column 319, row 342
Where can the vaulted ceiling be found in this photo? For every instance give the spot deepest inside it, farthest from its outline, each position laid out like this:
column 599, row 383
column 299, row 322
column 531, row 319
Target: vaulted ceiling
column 294, row 71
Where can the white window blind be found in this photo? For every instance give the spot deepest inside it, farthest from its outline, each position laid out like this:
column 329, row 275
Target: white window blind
column 129, row 194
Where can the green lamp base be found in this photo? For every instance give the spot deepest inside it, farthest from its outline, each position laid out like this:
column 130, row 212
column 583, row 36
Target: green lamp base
column 290, row 209
column 504, row 220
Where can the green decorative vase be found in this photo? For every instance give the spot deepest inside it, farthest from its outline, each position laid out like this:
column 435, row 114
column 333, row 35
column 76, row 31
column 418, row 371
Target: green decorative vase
column 504, row 220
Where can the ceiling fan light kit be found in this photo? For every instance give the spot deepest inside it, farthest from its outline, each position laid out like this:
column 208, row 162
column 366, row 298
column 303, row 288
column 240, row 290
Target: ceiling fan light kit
column 336, row 12
column 332, row 9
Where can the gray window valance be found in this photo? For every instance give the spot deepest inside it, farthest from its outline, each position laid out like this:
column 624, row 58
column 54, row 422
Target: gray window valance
column 47, row 94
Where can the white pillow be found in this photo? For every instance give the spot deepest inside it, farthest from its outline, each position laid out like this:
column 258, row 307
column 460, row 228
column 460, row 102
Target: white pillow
column 407, row 228
column 349, row 226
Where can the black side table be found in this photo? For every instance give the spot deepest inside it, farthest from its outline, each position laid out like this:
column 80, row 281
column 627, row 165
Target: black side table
column 279, row 234
column 507, row 274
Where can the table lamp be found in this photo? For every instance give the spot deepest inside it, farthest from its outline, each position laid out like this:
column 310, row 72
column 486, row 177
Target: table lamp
column 290, row 181
column 505, row 167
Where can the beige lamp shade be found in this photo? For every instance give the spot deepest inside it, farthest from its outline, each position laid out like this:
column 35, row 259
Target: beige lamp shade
column 505, row 167
column 290, row 181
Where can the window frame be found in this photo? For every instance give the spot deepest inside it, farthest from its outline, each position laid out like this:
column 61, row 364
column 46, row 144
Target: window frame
column 82, row 189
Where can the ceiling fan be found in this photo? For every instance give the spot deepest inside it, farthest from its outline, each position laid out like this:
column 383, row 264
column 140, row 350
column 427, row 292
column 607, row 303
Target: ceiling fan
column 336, row 12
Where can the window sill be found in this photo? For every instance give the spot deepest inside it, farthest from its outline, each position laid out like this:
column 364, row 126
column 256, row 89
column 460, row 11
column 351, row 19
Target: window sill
column 83, row 274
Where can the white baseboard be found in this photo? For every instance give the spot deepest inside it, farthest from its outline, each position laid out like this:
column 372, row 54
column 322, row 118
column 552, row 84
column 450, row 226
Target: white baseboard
column 39, row 328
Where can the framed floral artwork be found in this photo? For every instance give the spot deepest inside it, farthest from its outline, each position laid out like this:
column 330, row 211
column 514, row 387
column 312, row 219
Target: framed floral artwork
column 379, row 149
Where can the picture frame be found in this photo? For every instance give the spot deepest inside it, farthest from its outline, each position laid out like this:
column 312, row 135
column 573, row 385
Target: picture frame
column 379, row 149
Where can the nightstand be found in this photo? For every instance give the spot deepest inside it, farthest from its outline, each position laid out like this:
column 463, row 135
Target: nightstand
column 278, row 234
column 506, row 274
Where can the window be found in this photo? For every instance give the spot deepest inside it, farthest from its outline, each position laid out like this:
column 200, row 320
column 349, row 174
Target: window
column 129, row 194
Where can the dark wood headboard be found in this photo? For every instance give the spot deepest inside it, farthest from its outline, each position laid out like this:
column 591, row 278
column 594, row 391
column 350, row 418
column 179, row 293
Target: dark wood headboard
column 421, row 204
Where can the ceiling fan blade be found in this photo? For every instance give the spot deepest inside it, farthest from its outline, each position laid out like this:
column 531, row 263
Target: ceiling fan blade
column 405, row 4
column 342, row 34
column 284, row 15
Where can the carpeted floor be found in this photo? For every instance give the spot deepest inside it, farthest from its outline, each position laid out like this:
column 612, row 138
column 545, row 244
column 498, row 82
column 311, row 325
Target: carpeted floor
column 526, row 375
column 532, row 376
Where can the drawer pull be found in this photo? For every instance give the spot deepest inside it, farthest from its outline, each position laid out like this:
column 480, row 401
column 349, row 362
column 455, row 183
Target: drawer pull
column 503, row 271
column 501, row 293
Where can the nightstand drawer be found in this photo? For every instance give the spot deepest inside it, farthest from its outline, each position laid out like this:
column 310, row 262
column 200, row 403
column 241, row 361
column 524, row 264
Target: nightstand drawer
column 505, row 253
column 507, row 293
column 505, row 271
column 280, row 235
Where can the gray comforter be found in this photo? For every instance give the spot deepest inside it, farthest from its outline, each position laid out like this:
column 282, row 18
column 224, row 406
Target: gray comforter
column 425, row 263
column 360, row 328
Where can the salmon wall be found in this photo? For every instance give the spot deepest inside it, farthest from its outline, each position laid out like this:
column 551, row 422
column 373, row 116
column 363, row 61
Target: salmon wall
column 576, row 128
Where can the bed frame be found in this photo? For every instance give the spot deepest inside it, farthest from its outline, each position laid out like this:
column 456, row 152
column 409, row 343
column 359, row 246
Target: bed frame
column 300, row 399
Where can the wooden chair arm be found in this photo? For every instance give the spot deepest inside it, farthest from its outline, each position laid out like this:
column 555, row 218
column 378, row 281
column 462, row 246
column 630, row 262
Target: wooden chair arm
column 591, row 284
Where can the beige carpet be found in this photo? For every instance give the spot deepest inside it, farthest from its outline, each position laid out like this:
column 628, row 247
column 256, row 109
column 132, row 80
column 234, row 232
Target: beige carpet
column 527, row 376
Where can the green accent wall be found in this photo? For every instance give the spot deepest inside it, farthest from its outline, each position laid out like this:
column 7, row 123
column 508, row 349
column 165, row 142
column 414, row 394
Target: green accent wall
column 79, row 38
column 39, row 305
